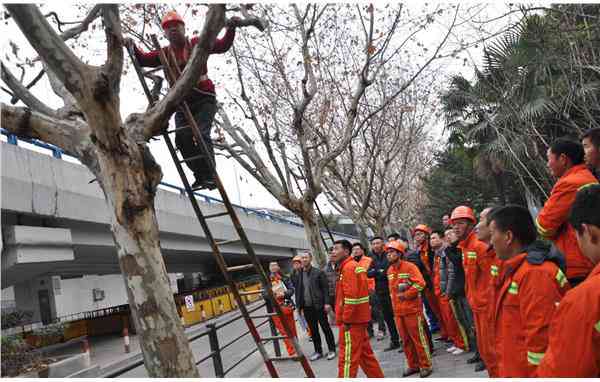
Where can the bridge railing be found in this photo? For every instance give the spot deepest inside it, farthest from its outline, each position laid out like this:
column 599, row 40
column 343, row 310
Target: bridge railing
column 212, row 331
column 58, row 153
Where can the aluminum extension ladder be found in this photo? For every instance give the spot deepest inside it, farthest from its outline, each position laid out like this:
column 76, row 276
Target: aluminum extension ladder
column 171, row 74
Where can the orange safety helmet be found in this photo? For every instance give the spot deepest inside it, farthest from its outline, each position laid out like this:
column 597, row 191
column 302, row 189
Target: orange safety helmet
column 462, row 212
column 422, row 228
column 398, row 246
column 171, row 17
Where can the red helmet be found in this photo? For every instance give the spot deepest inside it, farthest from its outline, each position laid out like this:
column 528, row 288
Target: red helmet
column 462, row 212
column 171, row 17
column 398, row 246
column 422, row 228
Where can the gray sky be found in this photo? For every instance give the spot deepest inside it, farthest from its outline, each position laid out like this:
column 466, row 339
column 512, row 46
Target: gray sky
column 243, row 189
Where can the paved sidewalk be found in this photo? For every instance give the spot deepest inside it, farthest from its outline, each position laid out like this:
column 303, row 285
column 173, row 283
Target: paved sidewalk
column 445, row 365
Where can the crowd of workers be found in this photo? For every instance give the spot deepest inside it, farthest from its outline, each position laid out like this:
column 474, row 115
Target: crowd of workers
column 521, row 293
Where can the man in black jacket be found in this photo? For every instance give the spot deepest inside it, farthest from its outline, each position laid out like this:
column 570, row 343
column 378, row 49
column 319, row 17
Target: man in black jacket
column 378, row 270
column 312, row 299
column 455, row 289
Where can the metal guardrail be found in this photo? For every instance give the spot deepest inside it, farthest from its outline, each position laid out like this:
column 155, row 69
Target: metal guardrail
column 58, row 153
column 215, row 348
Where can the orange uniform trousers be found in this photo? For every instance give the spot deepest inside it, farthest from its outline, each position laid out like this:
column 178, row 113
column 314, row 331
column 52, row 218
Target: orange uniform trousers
column 485, row 341
column 414, row 340
column 434, row 305
column 452, row 329
column 355, row 350
column 288, row 316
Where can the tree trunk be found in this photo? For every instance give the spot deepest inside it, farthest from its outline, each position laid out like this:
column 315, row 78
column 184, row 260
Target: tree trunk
column 362, row 233
column 313, row 233
column 129, row 180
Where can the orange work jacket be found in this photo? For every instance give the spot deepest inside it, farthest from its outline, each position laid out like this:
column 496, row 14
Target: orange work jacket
column 526, row 303
column 352, row 294
column 476, row 262
column 574, row 344
column 365, row 262
column 552, row 221
column 408, row 273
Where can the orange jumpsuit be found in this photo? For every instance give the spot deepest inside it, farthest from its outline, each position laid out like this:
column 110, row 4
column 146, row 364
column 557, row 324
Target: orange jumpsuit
column 574, row 343
column 288, row 316
column 448, row 322
column 477, row 261
column 494, row 290
column 408, row 312
column 552, row 221
column 525, row 306
column 352, row 309
column 428, row 293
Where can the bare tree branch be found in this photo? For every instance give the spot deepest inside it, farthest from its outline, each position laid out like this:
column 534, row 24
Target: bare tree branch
column 68, row 135
column 22, row 93
column 51, row 48
column 114, row 42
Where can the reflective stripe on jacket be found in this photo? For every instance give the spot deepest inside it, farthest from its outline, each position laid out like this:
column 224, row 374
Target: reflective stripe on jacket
column 552, row 221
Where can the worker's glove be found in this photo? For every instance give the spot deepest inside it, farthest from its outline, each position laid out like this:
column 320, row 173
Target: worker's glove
column 233, row 22
column 402, row 287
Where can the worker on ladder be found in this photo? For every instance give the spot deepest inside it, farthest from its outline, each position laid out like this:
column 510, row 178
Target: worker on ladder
column 283, row 289
column 202, row 99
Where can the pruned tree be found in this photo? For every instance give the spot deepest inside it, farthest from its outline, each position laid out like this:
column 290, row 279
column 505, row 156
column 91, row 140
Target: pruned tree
column 373, row 179
column 303, row 91
column 90, row 127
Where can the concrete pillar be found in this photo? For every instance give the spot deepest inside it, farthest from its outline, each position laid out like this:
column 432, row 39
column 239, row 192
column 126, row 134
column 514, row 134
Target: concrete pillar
column 188, row 281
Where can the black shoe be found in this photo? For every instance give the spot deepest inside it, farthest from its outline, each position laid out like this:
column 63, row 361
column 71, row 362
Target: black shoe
column 424, row 373
column 480, row 366
column 392, row 347
column 474, row 359
column 401, row 350
column 410, row 371
column 204, row 184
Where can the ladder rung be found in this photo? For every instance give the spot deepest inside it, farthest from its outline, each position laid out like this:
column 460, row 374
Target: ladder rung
column 293, row 358
column 264, row 315
column 210, row 216
column 240, row 267
column 146, row 72
column 251, row 292
column 177, row 129
column 192, row 158
column 274, row 338
column 225, row 242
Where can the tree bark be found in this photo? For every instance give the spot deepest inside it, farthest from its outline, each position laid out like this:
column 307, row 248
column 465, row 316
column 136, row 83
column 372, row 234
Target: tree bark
column 129, row 181
column 313, row 234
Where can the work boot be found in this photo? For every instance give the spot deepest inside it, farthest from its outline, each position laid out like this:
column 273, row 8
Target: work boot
column 410, row 371
column 330, row 355
column 480, row 366
column 474, row 359
column 392, row 347
column 424, row 373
